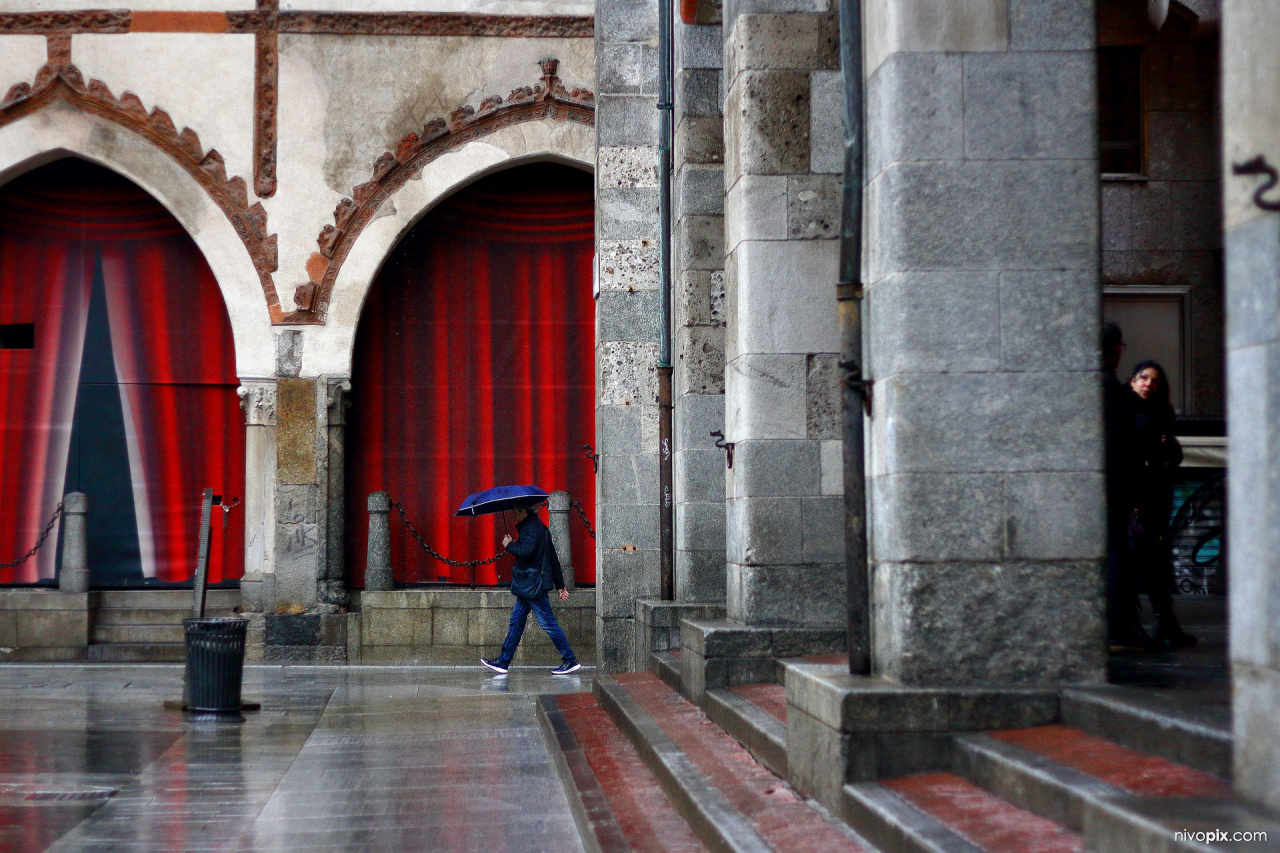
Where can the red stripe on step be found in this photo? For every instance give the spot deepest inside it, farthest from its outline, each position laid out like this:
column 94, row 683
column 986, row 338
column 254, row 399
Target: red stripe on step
column 641, row 808
column 982, row 818
column 781, row 817
column 771, row 698
column 1116, row 765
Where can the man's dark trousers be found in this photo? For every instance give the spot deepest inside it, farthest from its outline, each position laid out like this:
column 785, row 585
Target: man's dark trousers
column 541, row 607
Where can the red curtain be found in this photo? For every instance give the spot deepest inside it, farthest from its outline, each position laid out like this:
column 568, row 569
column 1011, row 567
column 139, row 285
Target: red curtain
column 473, row 367
column 174, row 358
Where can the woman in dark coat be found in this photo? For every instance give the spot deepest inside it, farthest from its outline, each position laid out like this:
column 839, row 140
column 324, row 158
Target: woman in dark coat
column 1159, row 454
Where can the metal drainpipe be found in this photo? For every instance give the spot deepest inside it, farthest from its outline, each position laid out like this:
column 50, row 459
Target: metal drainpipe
column 856, row 391
column 666, row 497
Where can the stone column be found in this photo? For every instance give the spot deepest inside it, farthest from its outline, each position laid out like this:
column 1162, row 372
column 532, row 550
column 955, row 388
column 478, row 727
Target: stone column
column 378, row 575
column 331, row 585
column 785, row 518
column 558, row 523
column 698, row 308
column 982, row 325
column 1251, row 128
column 258, row 401
column 627, row 310
column 73, row 574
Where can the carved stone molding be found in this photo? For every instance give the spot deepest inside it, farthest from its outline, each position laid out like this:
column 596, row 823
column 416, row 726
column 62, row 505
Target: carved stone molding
column 258, row 402
column 547, row 99
column 65, row 83
column 338, row 400
column 437, row 24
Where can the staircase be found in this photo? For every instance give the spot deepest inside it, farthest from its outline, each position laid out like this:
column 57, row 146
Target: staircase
column 145, row 625
column 1118, row 773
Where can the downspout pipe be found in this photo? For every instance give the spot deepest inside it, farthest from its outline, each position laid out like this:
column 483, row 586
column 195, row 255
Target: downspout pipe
column 856, row 390
column 666, row 497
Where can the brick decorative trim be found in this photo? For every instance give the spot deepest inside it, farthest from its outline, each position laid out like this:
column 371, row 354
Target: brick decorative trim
column 47, row 23
column 437, row 24
column 56, row 82
column 266, row 95
column 547, row 99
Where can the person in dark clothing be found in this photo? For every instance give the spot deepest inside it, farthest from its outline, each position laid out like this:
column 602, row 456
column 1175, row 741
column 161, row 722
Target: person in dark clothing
column 1159, row 453
column 537, row 571
column 1124, row 628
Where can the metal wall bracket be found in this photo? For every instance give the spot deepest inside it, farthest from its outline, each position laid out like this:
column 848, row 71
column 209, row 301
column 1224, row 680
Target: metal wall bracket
column 1259, row 166
column 726, row 446
column 593, row 456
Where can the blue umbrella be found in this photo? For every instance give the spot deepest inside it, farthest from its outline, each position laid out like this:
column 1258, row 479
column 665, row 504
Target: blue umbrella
column 501, row 499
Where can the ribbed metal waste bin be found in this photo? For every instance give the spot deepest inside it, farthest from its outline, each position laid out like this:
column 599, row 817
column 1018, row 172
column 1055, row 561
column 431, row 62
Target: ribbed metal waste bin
column 215, row 663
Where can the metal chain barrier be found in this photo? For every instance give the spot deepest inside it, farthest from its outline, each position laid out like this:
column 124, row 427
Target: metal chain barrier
column 583, row 515
column 48, row 528
column 462, row 564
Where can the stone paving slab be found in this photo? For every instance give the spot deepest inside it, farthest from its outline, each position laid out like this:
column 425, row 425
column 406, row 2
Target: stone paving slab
column 339, row 758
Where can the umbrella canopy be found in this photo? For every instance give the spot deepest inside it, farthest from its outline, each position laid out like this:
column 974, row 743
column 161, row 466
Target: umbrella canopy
column 500, row 499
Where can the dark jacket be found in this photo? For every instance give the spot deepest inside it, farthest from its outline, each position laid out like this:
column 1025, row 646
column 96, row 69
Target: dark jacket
column 533, row 549
column 1122, row 461
column 1158, row 454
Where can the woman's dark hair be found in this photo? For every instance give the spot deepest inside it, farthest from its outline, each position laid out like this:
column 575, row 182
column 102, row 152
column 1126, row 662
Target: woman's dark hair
column 1160, row 390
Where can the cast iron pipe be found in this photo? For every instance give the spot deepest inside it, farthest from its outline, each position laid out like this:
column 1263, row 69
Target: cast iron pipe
column 856, row 391
column 666, row 506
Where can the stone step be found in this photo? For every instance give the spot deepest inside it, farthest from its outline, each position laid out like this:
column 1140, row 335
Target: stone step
column 1195, row 734
column 942, row 813
column 666, row 665
column 165, row 599
column 731, row 801
column 1060, row 772
column 108, row 634
column 149, row 617
column 617, row 802
column 137, row 653
column 756, row 715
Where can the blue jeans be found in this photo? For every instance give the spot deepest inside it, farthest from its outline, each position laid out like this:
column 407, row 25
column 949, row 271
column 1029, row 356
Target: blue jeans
column 541, row 607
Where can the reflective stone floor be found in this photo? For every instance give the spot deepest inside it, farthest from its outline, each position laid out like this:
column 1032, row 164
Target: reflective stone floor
column 339, row 758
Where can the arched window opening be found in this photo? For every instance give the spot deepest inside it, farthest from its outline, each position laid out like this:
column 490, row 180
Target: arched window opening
column 117, row 376
column 473, row 367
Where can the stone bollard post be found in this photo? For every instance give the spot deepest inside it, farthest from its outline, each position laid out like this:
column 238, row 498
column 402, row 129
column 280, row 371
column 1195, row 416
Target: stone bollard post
column 73, row 574
column 377, row 571
column 558, row 522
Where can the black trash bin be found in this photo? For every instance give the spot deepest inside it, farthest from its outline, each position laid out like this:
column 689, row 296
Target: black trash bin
column 215, row 664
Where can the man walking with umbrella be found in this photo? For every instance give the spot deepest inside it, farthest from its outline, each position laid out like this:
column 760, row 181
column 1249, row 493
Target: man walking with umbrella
column 536, row 572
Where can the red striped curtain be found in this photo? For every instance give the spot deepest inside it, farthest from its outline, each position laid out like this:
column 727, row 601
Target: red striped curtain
column 174, row 359
column 473, row 367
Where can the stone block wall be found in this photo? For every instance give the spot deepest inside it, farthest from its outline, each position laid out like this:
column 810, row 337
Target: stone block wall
column 461, row 626
column 45, row 625
column 982, row 314
column 699, row 315
column 627, row 311
column 782, row 166
column 1165, row 229
column 1251, row 128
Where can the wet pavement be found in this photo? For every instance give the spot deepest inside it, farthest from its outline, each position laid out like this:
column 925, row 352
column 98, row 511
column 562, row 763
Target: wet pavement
column 339, row 758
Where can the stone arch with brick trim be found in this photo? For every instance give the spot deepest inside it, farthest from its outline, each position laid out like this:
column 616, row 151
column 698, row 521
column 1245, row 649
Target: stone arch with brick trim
column 570, row 143
column 60, row 129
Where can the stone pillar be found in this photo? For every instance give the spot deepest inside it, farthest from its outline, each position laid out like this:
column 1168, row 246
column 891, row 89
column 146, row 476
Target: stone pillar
column 783, row 164
column 1251, row 128
column 558, row 523
column 377, row 572
column 73, row 574
column 297, row 545
column 627, row 310
column 698, row 308
column 331, row 584
column 258, row 401
column 982, row 326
